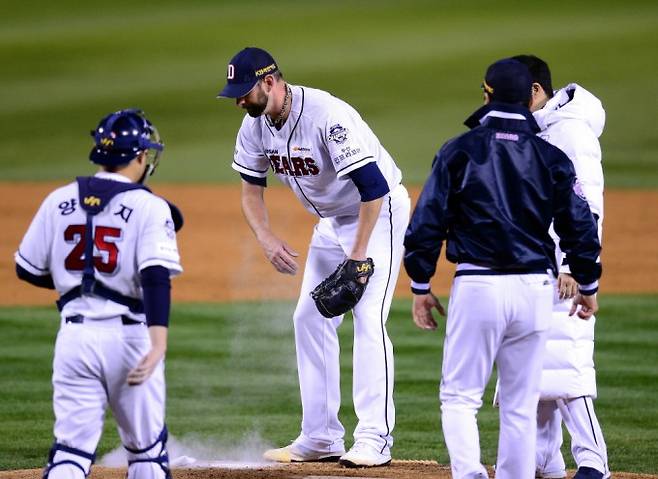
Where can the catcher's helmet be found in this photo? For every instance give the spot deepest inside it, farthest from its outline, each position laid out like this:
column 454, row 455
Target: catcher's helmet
column 123, row 135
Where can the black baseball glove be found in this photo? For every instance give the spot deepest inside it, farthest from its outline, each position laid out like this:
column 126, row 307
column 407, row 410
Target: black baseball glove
column 340, row 292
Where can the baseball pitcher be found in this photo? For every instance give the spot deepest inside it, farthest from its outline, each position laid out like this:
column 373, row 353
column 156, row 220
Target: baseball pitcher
column 320, row 147
column 107, row 245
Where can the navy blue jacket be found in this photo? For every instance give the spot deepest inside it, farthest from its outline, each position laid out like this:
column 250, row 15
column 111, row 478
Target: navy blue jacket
column 492, row 194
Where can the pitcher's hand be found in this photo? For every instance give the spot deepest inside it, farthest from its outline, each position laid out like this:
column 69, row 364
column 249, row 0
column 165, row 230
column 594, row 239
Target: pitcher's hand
column 280, row 254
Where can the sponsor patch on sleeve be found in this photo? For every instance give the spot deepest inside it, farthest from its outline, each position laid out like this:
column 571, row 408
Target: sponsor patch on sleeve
column 346, row 153
column 167, row 249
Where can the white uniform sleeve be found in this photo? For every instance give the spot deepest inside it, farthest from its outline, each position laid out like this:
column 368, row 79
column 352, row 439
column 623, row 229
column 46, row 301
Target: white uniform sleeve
column 157, row 242
column 33, row 253
column 348, row 146
column 249, row 157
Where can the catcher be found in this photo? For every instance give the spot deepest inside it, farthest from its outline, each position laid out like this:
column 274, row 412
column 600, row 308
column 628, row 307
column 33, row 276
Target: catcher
column 108, row 246
column 322, row 149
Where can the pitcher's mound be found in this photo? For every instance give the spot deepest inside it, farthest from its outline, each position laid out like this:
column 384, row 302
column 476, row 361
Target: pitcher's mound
column 398, row 470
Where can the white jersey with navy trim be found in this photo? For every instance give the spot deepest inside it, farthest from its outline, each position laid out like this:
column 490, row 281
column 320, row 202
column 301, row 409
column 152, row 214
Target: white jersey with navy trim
column 322, row 140
column 134, row 231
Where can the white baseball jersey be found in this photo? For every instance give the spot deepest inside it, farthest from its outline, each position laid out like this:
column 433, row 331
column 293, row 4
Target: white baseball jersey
column 322, row 140
column 133, row 232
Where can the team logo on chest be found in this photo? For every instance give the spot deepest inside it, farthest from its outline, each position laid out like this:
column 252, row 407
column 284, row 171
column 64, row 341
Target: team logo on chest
column 294, row 166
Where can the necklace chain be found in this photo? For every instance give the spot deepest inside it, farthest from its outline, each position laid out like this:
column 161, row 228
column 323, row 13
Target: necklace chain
column 286, row 101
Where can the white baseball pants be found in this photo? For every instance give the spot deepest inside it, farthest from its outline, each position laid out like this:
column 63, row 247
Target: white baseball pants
column 587, row 442
column 316, row 338
column 501, row 319
column 91, row 362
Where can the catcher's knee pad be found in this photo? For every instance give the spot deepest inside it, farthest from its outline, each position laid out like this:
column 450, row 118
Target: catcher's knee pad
column 151, row 462
column 66, row 462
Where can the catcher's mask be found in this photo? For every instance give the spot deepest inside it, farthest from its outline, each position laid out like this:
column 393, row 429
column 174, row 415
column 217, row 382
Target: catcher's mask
column 121, row 136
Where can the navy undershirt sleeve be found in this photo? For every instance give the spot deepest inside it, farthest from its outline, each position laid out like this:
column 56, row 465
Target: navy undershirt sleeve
column 41, row 281
column 369, row 181
column 156, row 287
column 254, row 180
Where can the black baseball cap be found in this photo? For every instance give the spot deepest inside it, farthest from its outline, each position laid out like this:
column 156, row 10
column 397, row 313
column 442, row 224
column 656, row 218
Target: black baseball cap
column 508, row 81
column 245, row 69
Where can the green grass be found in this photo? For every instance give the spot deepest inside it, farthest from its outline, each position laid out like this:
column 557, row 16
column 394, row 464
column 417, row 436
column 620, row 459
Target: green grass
column 231, row 373
column 412, row 68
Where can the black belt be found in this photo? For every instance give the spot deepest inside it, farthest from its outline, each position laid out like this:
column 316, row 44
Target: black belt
column 497, row 272
column 78, row 319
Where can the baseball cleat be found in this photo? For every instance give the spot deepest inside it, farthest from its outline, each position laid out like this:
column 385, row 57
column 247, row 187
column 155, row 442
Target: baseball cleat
column 296, row 453
column 584, row 472
column 363, row 454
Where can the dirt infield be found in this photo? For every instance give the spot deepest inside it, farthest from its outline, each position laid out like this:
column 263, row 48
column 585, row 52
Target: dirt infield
column 397, row 470
column 223, row 262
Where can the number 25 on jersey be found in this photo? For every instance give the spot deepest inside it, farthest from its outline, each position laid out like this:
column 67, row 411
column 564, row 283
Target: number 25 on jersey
column 106, row 262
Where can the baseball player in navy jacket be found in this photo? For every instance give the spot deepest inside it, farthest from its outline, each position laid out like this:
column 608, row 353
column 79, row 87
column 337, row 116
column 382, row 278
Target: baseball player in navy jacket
column 492, row 195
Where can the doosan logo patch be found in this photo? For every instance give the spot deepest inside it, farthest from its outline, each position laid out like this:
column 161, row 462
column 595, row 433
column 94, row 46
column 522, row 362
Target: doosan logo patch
column 338, row 134
column 507, row 136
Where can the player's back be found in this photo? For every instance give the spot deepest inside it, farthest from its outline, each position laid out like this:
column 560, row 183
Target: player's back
column 133, row 230
column 503, row 191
